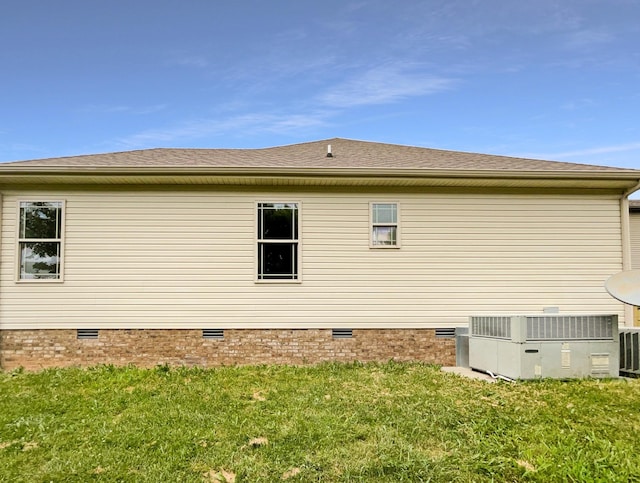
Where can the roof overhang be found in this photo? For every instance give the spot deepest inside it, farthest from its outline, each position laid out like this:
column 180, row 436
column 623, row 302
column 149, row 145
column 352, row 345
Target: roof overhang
column 316, row 177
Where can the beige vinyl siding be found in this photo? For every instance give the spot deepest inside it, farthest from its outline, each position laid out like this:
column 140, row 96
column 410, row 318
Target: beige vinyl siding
column 187, row 259
column 634, row 231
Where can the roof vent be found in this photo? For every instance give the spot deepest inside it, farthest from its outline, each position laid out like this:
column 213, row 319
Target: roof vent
column 329, row 153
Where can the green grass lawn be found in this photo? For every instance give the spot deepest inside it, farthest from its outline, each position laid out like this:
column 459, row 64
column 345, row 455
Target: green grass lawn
column 332, row 422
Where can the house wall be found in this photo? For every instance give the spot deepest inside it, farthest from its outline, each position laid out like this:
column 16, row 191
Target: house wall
column 634, row 235
column 38, row 349
column 185, row 258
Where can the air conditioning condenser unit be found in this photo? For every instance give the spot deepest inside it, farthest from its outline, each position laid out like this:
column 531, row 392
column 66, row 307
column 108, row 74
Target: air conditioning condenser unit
column 541, row 346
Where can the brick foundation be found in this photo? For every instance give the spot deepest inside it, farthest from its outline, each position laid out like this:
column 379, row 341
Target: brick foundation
column 39, row 349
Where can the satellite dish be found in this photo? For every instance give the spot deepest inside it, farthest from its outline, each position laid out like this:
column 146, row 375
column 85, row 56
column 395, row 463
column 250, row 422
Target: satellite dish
column 625, row 286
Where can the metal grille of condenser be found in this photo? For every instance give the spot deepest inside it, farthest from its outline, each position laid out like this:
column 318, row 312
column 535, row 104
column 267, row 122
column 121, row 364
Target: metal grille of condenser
column 491, row 326
column 546, row 327
column 570, row 327
column 630, row 352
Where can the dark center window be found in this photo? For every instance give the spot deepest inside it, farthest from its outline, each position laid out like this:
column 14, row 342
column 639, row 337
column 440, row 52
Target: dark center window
column 278, row 241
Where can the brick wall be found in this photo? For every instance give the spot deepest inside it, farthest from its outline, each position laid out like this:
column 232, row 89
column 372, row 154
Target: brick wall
column 39, row 349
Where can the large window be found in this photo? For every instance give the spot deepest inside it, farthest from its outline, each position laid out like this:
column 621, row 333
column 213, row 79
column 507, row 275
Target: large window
column 385, row 230
column 278, row 241
column 40, row 240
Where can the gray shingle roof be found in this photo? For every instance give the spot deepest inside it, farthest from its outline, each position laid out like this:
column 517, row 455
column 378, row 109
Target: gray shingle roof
column 346, row 154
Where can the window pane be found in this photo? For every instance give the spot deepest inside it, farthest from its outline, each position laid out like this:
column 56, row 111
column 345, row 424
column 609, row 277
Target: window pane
column 295, row 223
column 277, row 261
column 39, row 260
column 277, row 222
column 384, row 235
column 384, row 213
column 40, row 220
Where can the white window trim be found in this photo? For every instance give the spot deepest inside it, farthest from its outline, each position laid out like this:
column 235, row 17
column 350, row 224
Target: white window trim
column 61, row 240
column 396, row 224
column 257, row 241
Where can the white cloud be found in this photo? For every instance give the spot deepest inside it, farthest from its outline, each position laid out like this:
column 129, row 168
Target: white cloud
column 120, row 108
column 597, row 150
column 17, row 151
column 189, row 60
column 582, row 39
column 387, row 83
column 578, row 104
column 384, row 84
column 295, row 122
column 255, row 123
column 586, row 153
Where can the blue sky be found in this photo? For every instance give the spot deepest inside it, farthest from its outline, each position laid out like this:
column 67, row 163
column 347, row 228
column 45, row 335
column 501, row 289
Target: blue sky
column 551, row 79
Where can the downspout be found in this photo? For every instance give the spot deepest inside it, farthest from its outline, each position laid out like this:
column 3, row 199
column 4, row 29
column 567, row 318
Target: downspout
column 625, row 233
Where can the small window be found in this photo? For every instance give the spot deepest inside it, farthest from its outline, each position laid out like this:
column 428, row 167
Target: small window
column 278, row 241
column 40, row 240
column 385, row 231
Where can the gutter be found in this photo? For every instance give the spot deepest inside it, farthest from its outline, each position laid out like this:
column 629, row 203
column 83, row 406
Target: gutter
column 318, row 172
column 617, row 180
